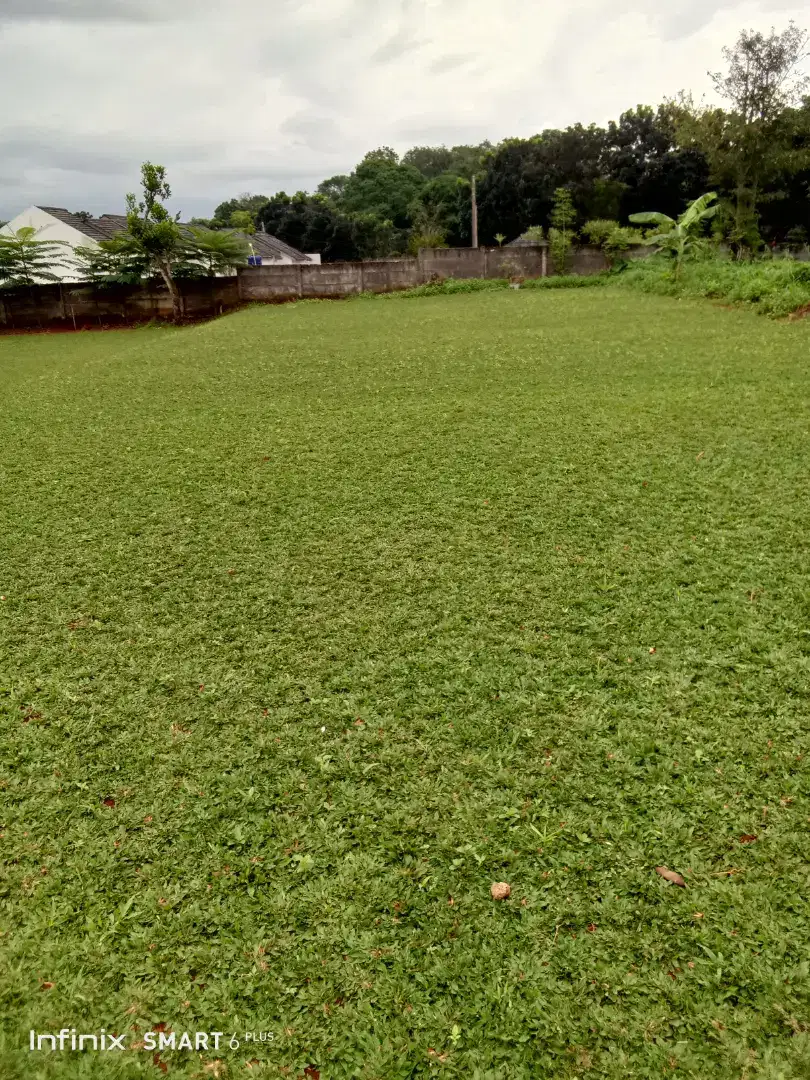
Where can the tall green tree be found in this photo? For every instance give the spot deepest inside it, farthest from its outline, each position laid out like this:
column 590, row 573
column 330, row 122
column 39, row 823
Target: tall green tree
column 751, row 144
column 252, row 204
column 152, row 232
column 382, row 186
column 314, row 223
column 522, row 176
column 434, row 161
column 561, row 234
column 244, row 221
column 431, row 161
column 333, row 188
column 438, row 210
column 642, row 154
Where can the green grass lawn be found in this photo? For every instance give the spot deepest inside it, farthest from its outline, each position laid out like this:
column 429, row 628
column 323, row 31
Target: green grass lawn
column 320, row 619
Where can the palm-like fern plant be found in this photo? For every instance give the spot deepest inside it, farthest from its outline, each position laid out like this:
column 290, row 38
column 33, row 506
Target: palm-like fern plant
column 26, row 260
column 682, row 235
column 215, row 251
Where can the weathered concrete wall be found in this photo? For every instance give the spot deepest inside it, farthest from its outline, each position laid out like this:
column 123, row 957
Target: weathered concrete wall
column 483, row 262
column 497, row 262
column 89, row 305
column 586, row 261
column 324, row 280
column 388, row 275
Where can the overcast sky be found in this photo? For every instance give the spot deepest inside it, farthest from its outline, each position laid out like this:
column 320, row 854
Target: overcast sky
column 271, row 95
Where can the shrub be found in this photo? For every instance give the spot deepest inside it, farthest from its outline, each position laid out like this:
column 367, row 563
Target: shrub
column 614, row 239
column 598, row 230
column 619, row 240
column 534, row 233
column 775, row 287
column 426, row 239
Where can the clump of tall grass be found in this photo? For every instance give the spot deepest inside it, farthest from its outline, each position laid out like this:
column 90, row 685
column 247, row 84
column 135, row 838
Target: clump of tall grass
column 775, row 287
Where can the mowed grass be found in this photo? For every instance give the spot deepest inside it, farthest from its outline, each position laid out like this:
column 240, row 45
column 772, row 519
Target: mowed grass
column 320, row 619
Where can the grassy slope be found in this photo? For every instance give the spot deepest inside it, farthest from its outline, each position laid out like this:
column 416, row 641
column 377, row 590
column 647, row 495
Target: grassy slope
column 349, row 609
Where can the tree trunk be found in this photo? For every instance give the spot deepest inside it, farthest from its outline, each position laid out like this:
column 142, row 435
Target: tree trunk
column 174, row 292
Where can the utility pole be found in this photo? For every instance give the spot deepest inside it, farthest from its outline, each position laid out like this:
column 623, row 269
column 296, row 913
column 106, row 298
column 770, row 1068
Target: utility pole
column 474, row 215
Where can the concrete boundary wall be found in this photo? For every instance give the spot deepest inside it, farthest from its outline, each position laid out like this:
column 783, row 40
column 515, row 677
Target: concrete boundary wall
column 87, row 305
column 81, row 306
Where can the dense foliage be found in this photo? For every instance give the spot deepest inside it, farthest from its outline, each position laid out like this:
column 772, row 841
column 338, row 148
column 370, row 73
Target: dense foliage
column 755, row 153
column 776, row 287
column 26, row 259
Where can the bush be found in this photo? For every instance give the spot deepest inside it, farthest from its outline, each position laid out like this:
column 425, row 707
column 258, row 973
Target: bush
column 619, row 240
column 775, row 287
column 425, row 239
column 614, row 239
column 534, row 233
column 597, row 231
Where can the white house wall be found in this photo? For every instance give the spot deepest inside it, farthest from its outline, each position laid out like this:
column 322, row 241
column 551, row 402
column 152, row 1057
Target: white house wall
column 51, row 228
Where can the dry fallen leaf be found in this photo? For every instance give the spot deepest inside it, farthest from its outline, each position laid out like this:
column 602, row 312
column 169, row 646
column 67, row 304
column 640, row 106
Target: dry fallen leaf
column 46, row 986
column 700, row 455
column 747, row 838
column 670, row 875
column 500, row 890
column 109, row 802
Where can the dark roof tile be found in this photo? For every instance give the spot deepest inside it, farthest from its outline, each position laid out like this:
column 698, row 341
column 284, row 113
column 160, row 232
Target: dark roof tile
column 108, row 225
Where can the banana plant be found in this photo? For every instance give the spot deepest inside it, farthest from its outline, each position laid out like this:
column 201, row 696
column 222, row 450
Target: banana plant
column 682, row 235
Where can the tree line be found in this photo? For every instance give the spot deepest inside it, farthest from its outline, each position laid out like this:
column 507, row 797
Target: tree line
column 754, row 151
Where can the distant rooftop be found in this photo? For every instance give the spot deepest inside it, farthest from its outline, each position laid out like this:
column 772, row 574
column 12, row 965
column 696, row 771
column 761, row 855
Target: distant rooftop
column 108, row 225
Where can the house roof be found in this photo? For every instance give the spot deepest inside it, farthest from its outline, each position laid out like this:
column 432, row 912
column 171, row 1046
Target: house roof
column 91, row 228
column 108, row 225
column 526, row 241
column 271, row 247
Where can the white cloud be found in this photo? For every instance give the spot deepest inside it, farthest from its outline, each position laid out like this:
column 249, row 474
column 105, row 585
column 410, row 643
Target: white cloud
column 251, row 95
